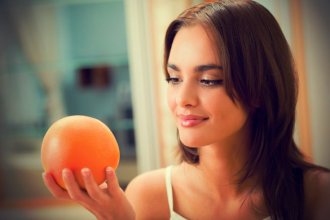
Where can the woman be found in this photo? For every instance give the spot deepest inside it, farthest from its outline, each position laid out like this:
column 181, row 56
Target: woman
column 232, row 90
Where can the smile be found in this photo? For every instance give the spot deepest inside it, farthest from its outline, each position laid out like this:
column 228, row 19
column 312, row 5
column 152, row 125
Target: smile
column 191, row 120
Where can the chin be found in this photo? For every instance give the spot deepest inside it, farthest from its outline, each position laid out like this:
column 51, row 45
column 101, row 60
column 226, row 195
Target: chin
column 192, row 142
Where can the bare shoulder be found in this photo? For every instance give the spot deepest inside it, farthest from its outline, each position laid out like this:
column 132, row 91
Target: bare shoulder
column 317, row 194
column 147, row 194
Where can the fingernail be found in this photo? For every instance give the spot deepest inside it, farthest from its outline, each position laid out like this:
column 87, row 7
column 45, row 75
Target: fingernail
column 65, row 172
column 109, row 170
column 85, row 171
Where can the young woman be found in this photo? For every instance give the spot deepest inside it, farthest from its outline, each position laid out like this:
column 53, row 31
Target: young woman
column 232, row 91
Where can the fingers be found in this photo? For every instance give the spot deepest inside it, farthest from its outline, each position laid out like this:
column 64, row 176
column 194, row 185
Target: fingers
column 76, row 193
column 94, row 191
column 72, row 186
column 53, row 187
column 113, row 185
column 104, row 186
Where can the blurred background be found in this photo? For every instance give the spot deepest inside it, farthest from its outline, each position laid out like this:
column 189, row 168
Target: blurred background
column 103, row 58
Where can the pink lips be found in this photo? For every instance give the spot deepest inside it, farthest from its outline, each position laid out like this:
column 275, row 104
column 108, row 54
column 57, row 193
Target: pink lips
column 191, row 120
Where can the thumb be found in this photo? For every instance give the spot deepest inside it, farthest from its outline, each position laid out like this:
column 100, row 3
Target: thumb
column 112, row 181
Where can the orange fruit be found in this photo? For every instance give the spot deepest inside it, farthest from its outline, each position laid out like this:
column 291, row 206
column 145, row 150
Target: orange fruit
column 76, row 142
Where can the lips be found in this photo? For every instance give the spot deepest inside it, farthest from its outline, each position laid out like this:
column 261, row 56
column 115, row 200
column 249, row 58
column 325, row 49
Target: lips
column 191, row 120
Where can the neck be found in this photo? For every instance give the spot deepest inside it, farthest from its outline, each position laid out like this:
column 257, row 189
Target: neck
column 220, row 167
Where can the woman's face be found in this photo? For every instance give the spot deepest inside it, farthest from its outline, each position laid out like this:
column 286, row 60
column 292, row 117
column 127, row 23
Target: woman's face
column 197, row 98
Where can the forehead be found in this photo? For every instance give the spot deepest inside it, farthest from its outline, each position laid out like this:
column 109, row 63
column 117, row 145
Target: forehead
column 194, row 45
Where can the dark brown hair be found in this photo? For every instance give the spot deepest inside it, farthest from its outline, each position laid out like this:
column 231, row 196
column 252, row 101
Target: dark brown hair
column 259, row 73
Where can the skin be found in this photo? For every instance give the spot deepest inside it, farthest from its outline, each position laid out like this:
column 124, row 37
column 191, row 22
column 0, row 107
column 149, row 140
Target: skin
column 103, row 201
column 219, row 131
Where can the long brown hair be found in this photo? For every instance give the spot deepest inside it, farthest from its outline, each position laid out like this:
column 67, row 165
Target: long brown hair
column 259, row 73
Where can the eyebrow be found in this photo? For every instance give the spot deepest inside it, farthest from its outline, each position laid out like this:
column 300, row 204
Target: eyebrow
column 199, row 68
column 203, row 68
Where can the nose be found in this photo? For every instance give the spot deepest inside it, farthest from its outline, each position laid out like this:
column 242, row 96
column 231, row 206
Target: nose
column 186, row 95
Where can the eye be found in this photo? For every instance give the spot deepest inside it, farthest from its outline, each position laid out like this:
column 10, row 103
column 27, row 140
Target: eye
column 173, row 80
column 207, row 82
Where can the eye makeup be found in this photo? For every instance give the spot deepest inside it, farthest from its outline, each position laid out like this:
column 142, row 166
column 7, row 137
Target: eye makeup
column 208, row 82
column 208, row 75
column 173, row 80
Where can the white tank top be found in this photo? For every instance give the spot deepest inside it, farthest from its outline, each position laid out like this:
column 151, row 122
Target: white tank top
column 169, row 192
column 174, row 215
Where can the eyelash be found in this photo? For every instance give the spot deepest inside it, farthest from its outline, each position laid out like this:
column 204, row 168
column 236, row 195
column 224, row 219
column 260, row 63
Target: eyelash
column 205, row 82
column 208, row 82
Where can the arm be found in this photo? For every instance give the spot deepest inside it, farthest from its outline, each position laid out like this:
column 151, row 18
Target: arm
column 106, row 204
column 147, row 195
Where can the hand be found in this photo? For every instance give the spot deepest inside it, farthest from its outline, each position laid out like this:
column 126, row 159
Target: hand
column 106, row 202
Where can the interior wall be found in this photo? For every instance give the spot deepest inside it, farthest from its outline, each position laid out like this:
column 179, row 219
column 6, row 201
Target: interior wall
column 316, row 21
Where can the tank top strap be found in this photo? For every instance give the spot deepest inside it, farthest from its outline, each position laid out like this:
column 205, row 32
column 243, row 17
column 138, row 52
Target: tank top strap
column 169, row 191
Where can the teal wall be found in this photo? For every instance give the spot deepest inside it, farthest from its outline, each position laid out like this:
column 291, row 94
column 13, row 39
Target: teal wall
column 94, row 34
column 89, row 33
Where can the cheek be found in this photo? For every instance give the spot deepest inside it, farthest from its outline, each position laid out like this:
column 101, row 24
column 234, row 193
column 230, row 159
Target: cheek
column 225, row 111
column 215, row 103
column 232, row 116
